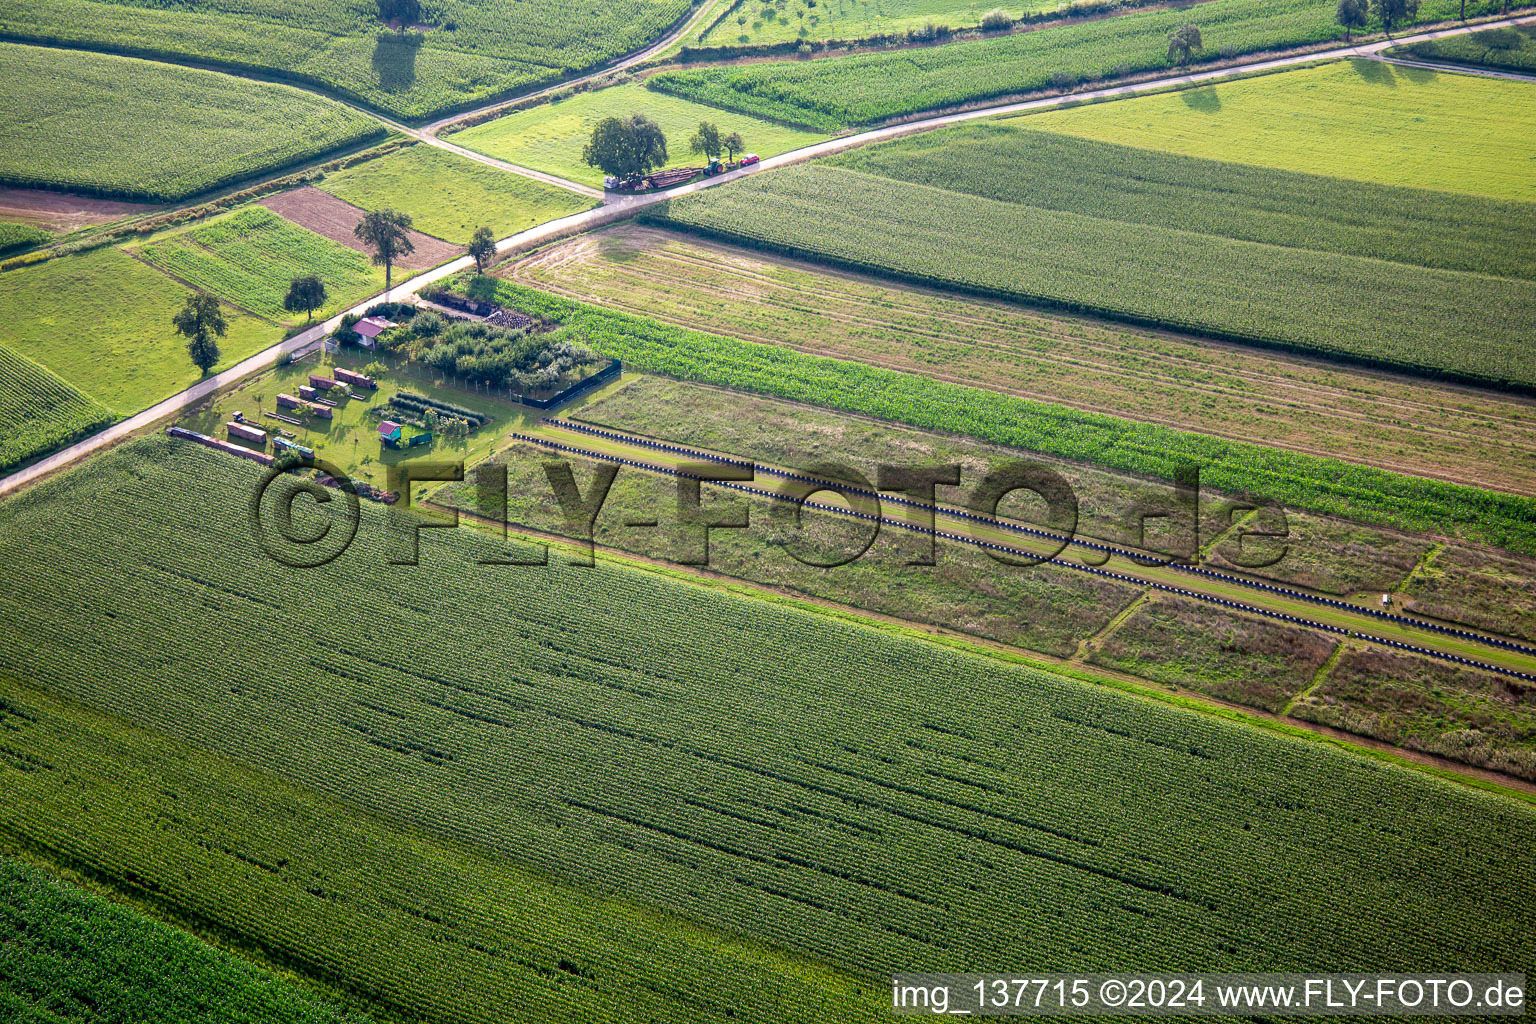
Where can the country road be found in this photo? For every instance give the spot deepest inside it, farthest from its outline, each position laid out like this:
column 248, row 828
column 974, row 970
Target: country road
column 617, row 208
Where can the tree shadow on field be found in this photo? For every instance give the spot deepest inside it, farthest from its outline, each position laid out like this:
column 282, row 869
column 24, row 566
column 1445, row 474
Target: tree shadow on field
column 394, row 60
column 1204, row 100
column 1376, row 72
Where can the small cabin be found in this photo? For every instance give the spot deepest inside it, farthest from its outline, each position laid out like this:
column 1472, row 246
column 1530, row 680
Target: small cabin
column 369, row 328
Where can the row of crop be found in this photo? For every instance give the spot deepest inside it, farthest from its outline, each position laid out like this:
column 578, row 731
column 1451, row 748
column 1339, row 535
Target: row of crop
column 1296, row 480
column 250, row 257
column 838, row 92
column 1430, row 321
column 476, row 51
column 138, row 130
column 40, row 412
column 915, row 805
column 1011, row 162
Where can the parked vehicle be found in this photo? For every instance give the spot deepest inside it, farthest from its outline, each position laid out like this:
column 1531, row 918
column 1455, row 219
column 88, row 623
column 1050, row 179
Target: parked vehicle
column 715, row 167
column 610, row 182
column 748, row 159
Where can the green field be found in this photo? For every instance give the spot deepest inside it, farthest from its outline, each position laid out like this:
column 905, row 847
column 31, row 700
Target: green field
column 16, row 238
column 133, row 129
column 102, row 322
column 1422, row 319
column 850, row 796
column 70, row 955
column 1295, row 479
column 1358, row 119
column 249, row 257
column 474, row 50
column 40, row 412
column 550, row 137
column 449, row 196
column 1508, row 49
column 864, row 88
column 753, row 22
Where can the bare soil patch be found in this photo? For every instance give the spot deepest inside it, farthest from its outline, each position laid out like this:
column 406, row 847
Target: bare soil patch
column 61, row 211
column 324, row 214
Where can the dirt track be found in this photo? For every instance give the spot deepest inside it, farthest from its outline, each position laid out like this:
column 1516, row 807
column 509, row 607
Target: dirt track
column 61, row 211
column 324, row 214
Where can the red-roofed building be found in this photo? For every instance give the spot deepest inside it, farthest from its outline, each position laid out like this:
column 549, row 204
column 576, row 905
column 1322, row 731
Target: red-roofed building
column 369, row 328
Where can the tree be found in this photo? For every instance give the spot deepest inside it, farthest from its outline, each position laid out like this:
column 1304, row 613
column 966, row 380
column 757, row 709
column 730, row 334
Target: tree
column 384, row 231
column 706, row 140
column 200, row 320
column 1183, row 42
column 627, row 148
column 407, row 12
column 482, row 247
column 1353, row 14
column 733, row 144
column 1392, row 11
column 305, row 295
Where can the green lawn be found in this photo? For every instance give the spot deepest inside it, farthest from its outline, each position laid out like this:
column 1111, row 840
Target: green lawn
column 1509, row 49
column 102, row 321
column 450, row 196
column 135, row 129
column 250, row 257
column 1356, row 119
column 550, row 137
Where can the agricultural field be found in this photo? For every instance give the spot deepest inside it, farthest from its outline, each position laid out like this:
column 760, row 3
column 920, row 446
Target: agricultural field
column 834, row 93
column 73, row 955
column 1474, row 585
column 16, row 238
column 39, row 412
column 470, row 50
column 1471, row 437
column 1358, row 119
column 1240, row 658
column 756, row 22
column 1508, row 49
column 132, row 129
column 1294, row 479
column 101, row 321
column 448, row 196
column 748, row 801
column 329, row 217
column 1475, row 717
column 550, row 137
column 249, row 257
column 1427, row 320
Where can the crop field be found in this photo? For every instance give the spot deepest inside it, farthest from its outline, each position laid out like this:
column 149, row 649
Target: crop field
column 329, row 217
column 1510, row 49
column 1477, row 438
column 1472, row 716
column 39, row 412
column 102, row 322
column 1342, row 558
column 861, row 89
column 1426, row 320
column 1154, row 836
column 72, row 955
column 1294, row 479
column 550, row 137
column 1241, row 658
column 249, row 257
column 753, row 22
column 1359, row 119
column 16, row 238
column 132, row 129
column 473, row 49
column 449, row 196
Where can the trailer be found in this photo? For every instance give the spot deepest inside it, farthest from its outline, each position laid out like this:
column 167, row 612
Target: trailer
column 246, row 432
column 287, row 401
column 308, row 393
column 320, row 382
column 292, row 446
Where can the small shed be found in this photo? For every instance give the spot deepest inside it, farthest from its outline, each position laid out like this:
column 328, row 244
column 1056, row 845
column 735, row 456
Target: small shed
column 369, row 328
column 389, row 432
